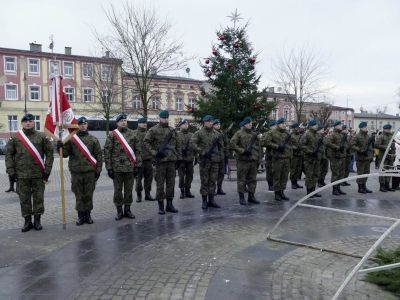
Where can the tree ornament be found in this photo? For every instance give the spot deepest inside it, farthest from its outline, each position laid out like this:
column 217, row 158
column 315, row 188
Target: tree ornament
column 239, row 82
column 215, row 52
column 252, row 59
column 221, row 37
column 229, row 65
column 209, row 73
column 236, row 45
column 207, row 61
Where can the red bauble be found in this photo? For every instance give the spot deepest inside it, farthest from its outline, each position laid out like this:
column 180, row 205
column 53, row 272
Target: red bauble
column 252, row 59
column 209, row 73
column 238, row 82
column 207, row 61
column 229, row 66
column 215, row 52
column 236, row 45
column 221, row 37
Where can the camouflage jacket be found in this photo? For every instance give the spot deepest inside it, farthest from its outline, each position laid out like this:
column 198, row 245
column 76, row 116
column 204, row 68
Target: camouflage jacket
column 20, row 162
column 263, row 142
column 382, row 142
column 333, row 144
column 296, row 146
column 140, row 134
column 279, row 137
column 114, row 154
column 155, row 139
column 312, row 144
column 241, row 141
column 349, row 150
column 361, row 143
column 202, row 141
column 225, row 145
column 184, row 137
column 77, row 161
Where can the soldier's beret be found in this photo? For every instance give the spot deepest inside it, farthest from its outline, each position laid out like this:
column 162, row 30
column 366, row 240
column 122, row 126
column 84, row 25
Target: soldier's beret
column 142, row 120
column 120, row 117
column 280, row 121
column 27, row 117
column 387, row 126
column 208, row 118
column 82, row 120
column 164, row 114
column 294, row 125
column 312, row 122
column 241, row 124
column 362, row 125
column 344, row 126
column 217, row 121
column 272, row 123
column 336, row 123
column 183, row 121
column 246, row 120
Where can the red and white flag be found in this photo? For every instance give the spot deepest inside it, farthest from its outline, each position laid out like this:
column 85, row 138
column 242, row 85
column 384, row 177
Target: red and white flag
column 60, row 112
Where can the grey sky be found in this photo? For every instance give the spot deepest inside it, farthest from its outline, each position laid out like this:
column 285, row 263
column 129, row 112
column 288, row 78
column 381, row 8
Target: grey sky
column 358, row 39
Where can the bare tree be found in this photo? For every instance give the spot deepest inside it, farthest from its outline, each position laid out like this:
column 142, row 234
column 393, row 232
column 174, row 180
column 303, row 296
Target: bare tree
column 143, row 42
column 323, row 113
column 300, row 73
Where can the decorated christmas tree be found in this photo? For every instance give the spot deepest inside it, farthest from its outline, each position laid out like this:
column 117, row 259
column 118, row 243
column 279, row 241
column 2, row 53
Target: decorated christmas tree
column 233, row 82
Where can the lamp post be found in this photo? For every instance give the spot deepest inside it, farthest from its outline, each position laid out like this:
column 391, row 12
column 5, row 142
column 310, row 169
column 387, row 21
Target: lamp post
column 25, row 89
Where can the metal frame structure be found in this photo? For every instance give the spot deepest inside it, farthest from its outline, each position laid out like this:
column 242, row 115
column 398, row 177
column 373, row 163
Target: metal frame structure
column 396, row 222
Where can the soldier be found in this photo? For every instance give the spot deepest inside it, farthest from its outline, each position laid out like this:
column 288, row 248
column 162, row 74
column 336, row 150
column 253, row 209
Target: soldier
column 144, row 171
column 29, row 159
column 363, row 146
column 121, row 154
column 163, row 143
column 279, row 142
column 324, row 163
column 247, row 150
column 206, row 142
column 85, row 163
column 312, row 145
column 296, row 163
column 382, row 142
column 224, row 151
column 336, row 146
column 11, row 180
column 349, row 153
column 185, row 166
column 268, row 156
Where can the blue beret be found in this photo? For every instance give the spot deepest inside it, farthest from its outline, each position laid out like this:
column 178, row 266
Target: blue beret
column 312, row 122
column 208, row 118
column 142, row 120
column 336, row 123
column 294, row 125
column 164, row 114
column 27, row 117
column 387, row 126
column 241, row 124
column 272, row 123
column 362, row 125
column 82, row 120
column 280, row 121
column 120, row 117
column 217, row 121
column 246, row 120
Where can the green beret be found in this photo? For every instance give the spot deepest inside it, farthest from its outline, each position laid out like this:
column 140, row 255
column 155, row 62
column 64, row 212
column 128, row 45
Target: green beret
column 294, row 125
column 142, row 120
column 82, row 120
column 280, row 121
column 312, row 122
column 27, row 117
column 362, row 125
column 164, row 114
column 217, row 121
column 120, row 117
column 208, row 118
column 387, row 126
column 336, row 123
column 246, row 120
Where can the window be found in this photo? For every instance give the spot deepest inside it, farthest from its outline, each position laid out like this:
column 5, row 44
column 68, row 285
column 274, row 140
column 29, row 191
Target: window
column 36, row 119
column 10, row 64
column 179, row 104
column 105, row 72
column 34, row 93
column 68, row 69
column 342, row 112
column 155, row 103
column 33, row 66
column 87, row 70
column 11, row 92
column 192, row 102
column 70, row 92
column 286, row 114
column 54, row 68
column 274, row 112
column 12, row 123
column 136, row 103
column 87, row 95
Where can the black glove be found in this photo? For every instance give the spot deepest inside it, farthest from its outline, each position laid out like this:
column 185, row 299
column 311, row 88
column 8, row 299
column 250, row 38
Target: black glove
column 135, row 172
column 178, row 164
column 59, row 145
column 97, row 175
column 207, row 155
column 341, row 148
column 45, row 176
column 110, row 173
column 160, row 155
column 195, row 162
column 281, row 148
column 364, row 152
column 247, row 152
column 184, row 152
column 226, row 160
column 314, row 154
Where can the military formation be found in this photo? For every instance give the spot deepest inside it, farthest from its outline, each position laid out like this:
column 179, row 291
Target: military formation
column 287, row 151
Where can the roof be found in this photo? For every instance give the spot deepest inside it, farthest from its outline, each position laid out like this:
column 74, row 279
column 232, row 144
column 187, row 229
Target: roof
column 375, row 116
column 166, row 77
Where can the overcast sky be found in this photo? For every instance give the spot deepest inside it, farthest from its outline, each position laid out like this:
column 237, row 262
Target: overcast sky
column 359, row 40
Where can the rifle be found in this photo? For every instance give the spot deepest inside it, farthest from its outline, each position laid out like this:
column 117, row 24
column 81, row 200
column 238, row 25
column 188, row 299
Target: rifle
column 250, row 145
column 370, row 145
column 214, row 144
column 165, row 145
column 319, row 144
column 286, row 141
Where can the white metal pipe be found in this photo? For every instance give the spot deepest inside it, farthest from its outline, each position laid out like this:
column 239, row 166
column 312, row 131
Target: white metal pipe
column 380, row 268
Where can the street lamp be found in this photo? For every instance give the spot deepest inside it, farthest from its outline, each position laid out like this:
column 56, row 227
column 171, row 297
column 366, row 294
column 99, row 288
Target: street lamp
column 25, row 110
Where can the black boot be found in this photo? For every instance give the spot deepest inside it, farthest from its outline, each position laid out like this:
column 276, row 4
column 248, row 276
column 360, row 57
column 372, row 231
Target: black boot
column 11, row 188
column 36, row 222
column 387, row 187
column 252, row 199
column 278, row 196
column 127, row 212
column 270, row 186
column 316, row 195
column 283, row 196
column 220, row 191
column 170, row 206
column 242, row 200
column 361, row 189
column 182, row 194
column 161, row 210
column 28, row 224
column 88, row 217
column 139, row 197
column 81, row 218
column 382, row 187
column 211, row 201
column 335, row 191
column 294, row 185
column 188, row 194
column 340, row 191
column 120, row 214
column 366, row 189
column 321, row 183
column 148, row 197
column 204, row 202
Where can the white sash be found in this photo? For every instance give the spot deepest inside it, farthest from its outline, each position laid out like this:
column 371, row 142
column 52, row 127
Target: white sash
column 31, row 149
column 84, row 150
column 128, row 150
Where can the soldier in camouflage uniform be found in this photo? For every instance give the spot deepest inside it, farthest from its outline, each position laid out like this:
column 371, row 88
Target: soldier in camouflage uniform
column 324, row 163
column 362, row 144
column 382, row 142
column 208, row 143
column 185, row 166
column 163, row 143
column 83, row 174
column 247, row 149
column 120, row 167
column 11, row 180
column 144, row 171
column 296, row 163
column 336, row 152
column 268, row 155
column 22, row 167
column 312, row 145
column 349, row 153
column 279, row 142
column 224, row 151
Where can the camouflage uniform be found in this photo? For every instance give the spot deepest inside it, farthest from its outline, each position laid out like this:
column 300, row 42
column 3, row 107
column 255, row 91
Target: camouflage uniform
column 224, row 151
column 382, row 142
column 362, row 144
column 324, row 166
column 268, row 159
column 349, row 154
column 296, row 163
column 20, row 164
column 185, row 168
column 336, row 152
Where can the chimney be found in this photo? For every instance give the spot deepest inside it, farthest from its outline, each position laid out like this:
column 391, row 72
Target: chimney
column 68, row 50
column 35, row 47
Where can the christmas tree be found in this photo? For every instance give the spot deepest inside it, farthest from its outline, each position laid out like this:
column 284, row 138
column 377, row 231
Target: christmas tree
column 233, row 93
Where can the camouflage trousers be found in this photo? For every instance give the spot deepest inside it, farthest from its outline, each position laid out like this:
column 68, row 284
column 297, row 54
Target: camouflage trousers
column 144, row 174
column 337, row 168
column 312, row 171
column 165, row 179
column 123, row 181
column 280, row 171
column 83, row 185
column 185, row 171
column 347, row 166
column 268, row 169
column 363, row 167
column 387, row 165
column 208, row 177
column 31, row 196
column 221, row 173
column 324, row 166
column 246, row 176
column 296, row 167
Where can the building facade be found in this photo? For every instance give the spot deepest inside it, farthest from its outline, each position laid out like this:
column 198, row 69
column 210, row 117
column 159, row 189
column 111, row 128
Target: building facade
column 375, row 122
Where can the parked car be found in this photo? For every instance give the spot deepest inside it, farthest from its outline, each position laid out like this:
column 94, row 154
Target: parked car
column 3, row 143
